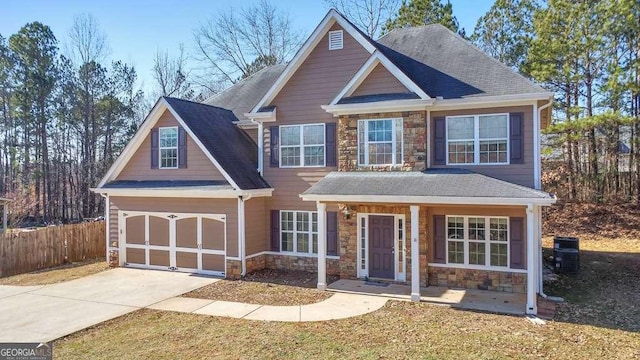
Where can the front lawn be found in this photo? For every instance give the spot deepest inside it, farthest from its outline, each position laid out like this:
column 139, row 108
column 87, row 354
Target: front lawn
column 57, row 274
column 592, row 325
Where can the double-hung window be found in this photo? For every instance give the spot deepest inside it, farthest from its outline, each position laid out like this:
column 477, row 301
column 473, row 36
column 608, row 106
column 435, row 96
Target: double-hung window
column 168, row 148
column 380, row 142
column 302, row 145
column 478, row 139
column 299, row 231
column 478, row 241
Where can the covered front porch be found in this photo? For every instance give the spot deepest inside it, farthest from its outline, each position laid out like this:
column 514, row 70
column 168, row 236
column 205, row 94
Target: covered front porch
column 434, row 230
column 469, row 299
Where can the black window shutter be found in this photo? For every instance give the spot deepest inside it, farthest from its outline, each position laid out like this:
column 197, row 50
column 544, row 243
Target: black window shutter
column 182, row 148
column 275, row 146
column 154, row 148
column 516, row 242
column 439, row 239
column 330, row 144
column 516, row 138
column 332, row 233
column 439, row 141
column 275, row 230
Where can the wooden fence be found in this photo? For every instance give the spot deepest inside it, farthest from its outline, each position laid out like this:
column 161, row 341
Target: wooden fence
column 39, row 249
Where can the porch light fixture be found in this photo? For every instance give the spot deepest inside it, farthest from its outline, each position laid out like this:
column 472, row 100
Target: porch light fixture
column 347, row 211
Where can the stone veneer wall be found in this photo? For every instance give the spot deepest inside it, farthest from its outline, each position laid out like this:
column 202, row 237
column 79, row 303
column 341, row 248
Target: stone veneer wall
column 348, row 238
column 415, row 141
column 478, row 279
column 303, row 263
column 234, row 269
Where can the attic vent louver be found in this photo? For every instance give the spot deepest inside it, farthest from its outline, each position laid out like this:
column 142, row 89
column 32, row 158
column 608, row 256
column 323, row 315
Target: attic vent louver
column 335, row 40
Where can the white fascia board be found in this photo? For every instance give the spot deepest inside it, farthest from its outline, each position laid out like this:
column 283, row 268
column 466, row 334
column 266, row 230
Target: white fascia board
column 313, row 40
column 490, row 101
column 172, row 193
column 378, row 107
column 264, row 116
column 135, row 142
column 392, row 199
column 202, row 147
column 366, row 69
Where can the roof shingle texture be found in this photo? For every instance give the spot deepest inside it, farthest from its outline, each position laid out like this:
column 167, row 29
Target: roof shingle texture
column 230, row 146
column 433, row 182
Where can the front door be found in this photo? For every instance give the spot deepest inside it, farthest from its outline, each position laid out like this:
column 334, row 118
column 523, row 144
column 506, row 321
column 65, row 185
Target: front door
column 381, row 239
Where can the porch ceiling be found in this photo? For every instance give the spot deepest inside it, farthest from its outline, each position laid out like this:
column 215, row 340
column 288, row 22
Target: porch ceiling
column 431, row 186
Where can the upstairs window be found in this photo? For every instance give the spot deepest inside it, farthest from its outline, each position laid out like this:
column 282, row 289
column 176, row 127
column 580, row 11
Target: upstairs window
column 335, row 40
column 168, row 147
column 380, row 142
column 478, row 139
column 302, row 145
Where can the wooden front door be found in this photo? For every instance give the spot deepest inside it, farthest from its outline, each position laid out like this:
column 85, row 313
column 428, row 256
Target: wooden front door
column 381, row 240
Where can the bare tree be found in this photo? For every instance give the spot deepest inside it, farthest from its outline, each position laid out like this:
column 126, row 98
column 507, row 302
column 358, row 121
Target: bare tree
column 229, row 43
column 88, row 42
column 368, row 15
column 171, row 74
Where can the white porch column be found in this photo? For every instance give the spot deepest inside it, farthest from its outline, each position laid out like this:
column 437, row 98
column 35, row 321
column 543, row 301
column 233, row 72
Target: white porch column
column 415, row 254
column 322, row 246
column 532, row 307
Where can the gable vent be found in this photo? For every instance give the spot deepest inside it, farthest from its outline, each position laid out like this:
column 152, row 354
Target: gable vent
column 335, row 40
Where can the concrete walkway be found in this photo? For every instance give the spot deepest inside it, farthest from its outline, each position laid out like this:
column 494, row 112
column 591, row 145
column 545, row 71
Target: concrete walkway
column 45, row 313
column 483, row 300
column 338, row 306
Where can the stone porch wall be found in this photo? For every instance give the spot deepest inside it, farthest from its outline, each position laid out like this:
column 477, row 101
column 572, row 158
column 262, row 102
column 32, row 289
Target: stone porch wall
column 302, row 263
column 348, row 238
column 478, row 279
column 414, row 147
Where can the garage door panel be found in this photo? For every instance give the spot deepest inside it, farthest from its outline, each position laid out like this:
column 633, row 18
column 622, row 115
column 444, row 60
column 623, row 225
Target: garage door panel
column 158, row 231
column 135, row 230
column 159, row 258
column 212, row 234
column 186, row 260
column 213, row 262
column 136, row 256
column 187, row 233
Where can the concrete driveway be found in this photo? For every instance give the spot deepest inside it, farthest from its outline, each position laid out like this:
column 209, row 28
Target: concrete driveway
column 45, row 313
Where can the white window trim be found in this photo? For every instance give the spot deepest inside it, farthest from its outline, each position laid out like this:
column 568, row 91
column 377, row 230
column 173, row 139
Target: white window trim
column 341, row 44
column 487, row 243
column 302, row 146
column 476, row 139
column 295, row 232
column 160, row 148
column 393, row 142
column 399, row 245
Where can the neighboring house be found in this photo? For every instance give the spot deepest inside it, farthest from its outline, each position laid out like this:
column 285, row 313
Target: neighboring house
column 414, row 159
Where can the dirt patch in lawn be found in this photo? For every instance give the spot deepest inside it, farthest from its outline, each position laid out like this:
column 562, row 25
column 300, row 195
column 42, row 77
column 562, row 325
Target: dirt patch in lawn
column 267, row 287
column 57, row 274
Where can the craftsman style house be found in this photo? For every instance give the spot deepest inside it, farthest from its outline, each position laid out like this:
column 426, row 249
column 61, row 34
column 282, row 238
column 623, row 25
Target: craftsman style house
column 414, row 158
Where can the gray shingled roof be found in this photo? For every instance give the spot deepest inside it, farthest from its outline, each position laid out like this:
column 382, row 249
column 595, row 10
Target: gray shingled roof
column 430, row 183
column 230, row 146
column 244, row 95
column 169, row 184
column 444, row 64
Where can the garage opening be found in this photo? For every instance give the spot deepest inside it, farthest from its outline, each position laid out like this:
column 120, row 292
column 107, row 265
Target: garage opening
column 183, row 242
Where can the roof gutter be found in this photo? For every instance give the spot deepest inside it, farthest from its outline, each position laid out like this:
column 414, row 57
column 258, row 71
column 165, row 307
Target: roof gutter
column 193, row 193
column 379, row 106
column 410, row 199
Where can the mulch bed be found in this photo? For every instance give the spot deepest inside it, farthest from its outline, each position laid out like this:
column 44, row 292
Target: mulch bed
column 267, row 287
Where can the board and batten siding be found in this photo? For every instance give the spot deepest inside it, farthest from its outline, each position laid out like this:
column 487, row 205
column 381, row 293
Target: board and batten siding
column 199, row 167
column 521, row 174
column 464, row 210
column 316, row 82
column 255, row 226
column 380, row 81
column 229, row 207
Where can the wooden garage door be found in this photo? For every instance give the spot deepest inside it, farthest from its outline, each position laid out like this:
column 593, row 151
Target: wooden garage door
column 174, row 241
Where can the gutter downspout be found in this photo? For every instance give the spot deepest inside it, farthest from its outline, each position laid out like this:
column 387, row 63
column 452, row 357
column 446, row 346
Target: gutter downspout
column 538, row 160
column 241, row 236
column 537, row 156
column 107, row 209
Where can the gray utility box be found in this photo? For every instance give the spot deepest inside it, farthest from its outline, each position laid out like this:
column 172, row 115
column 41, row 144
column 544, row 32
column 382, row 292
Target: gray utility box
column 566, row 254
